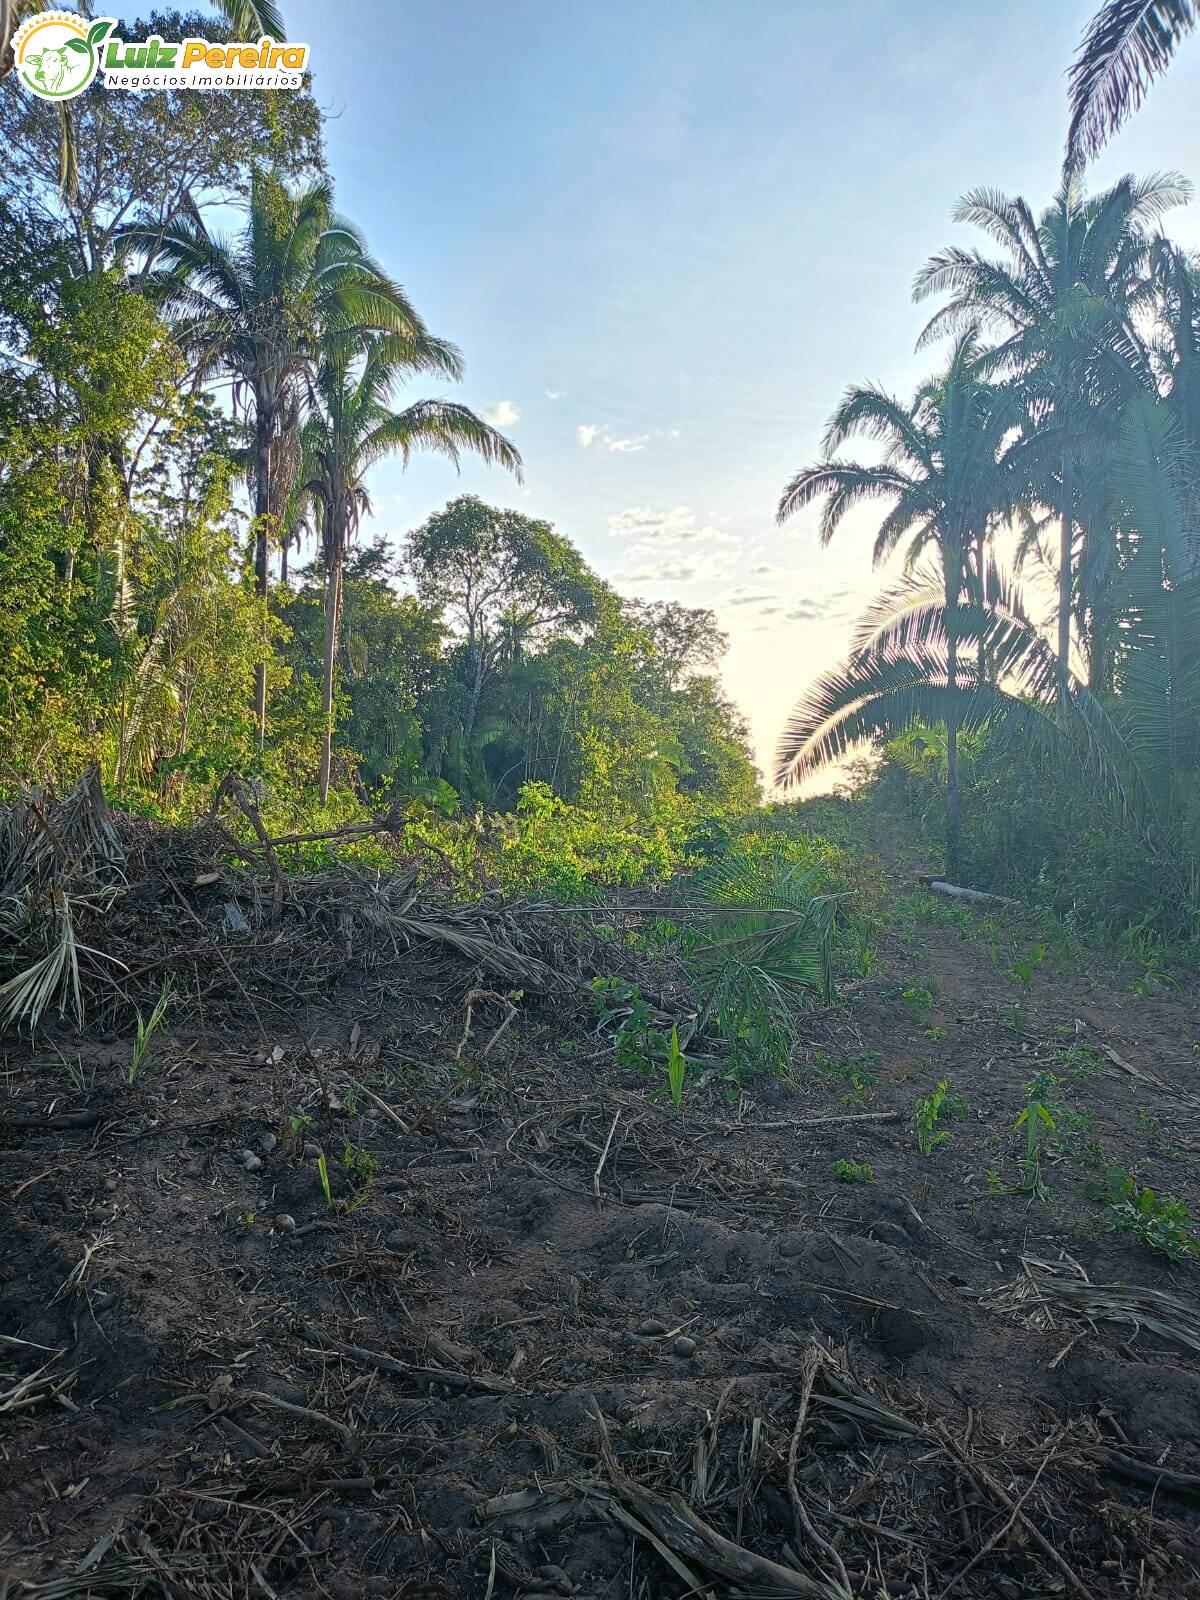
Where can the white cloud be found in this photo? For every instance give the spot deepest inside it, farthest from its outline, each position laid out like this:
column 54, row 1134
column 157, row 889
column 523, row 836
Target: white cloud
column 677, row 525
column 555, row 394
column 504, row 414
column 671, row 546
column 590, row 433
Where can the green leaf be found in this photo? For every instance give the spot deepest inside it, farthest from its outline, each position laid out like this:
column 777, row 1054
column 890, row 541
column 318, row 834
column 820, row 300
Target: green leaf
column 78, row 46
column 98, row 30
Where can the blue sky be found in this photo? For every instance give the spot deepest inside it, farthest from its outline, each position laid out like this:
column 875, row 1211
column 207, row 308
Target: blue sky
column 666, row 234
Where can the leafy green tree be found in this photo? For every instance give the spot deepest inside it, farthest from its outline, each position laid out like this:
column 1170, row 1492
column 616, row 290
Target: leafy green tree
column 106, row 159
column 683, row 640
column 349, row 430
column 393, row 667
column 504, row 580
column 948, row 472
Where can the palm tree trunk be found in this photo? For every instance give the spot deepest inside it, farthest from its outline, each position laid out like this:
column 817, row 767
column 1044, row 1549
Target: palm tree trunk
column 333, row 618
column 952, row 834
column 262, row 509
column 982, row 598
column 1066, row 542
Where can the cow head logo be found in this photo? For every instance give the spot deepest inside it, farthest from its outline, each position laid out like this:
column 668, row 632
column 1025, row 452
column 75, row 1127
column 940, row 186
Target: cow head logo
column 57, row 53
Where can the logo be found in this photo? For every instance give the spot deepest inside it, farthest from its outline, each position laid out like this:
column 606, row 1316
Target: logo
column 57, row 54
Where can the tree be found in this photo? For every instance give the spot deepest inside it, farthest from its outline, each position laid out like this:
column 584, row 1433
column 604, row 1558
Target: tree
column 684, row 640
column 349, row 429
column 1064, row 301
column 1127, row 45
column 504, row 579
column 259, row 308
column 85, row 153
column 393, row 666
column 947, row 469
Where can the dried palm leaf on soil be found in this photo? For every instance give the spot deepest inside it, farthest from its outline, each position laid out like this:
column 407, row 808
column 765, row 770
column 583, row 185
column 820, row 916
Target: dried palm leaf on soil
column 1045, row 1289
column 58, row 862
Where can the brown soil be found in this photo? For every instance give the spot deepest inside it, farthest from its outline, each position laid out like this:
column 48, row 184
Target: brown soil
column 546, row 1241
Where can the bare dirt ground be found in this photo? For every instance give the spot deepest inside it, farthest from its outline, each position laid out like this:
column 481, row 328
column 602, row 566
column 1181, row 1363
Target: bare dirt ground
column 546, row 1335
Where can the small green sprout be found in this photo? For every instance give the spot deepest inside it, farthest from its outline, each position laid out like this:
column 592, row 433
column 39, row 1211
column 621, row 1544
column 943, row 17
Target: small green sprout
column 853, row 1171
column 930, row 1111
column 147, row 1027
column 676, row 1070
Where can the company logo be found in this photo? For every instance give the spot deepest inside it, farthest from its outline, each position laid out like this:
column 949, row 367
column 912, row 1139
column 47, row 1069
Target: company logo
column 58, row 54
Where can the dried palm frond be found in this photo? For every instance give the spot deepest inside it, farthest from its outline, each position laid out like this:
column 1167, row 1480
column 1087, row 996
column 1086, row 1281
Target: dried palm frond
column 1045, row 1290
column 57, row 859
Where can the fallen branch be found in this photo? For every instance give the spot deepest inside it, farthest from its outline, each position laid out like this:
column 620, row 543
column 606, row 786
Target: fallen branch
column 479, row 1382
column 976, row 897
column 683, row 1537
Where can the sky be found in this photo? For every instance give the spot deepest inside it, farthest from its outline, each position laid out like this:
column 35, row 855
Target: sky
column 668, row 234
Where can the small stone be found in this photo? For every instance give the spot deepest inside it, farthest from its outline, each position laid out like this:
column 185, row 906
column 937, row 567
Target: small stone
column 285, row 1223
column 312, row 1150
column 251, row 1162
column 267, row 1143
column 112, row 1184
column 684, row 1346
column 891, row 1233
column 102, row 1214
column 795, row 1246
column 652, row 1328
column 556, row 1578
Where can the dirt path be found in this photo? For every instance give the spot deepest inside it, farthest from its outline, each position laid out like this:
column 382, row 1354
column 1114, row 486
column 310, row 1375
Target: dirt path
column 217, row 1384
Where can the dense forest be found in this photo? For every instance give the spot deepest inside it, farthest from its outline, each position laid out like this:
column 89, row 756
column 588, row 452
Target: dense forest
column 188, row 422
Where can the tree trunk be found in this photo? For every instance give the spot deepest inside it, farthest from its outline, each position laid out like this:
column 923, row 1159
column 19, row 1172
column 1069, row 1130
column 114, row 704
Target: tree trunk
column 1065, row 551
column 983, row 604
column 952, row 842
column 476, row 693
column 262, row 510
column 333, row 619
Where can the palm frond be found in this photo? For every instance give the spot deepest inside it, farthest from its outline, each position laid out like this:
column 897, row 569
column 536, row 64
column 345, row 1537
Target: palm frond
column 1128, row 44
column 250, row 19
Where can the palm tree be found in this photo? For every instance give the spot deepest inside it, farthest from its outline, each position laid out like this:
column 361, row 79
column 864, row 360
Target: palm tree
column 1140, row 743
column 258, row 309
column 350, row 427
column 947, row 470
column 1127, row 45
column 1064, row 301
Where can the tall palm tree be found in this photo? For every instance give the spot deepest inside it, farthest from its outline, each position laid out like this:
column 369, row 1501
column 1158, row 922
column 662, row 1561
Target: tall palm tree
column 1139, row 743
column 947, row 469
column 1127, row 45
column 350, row 427
column 1064, row 300
column 259, row 307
